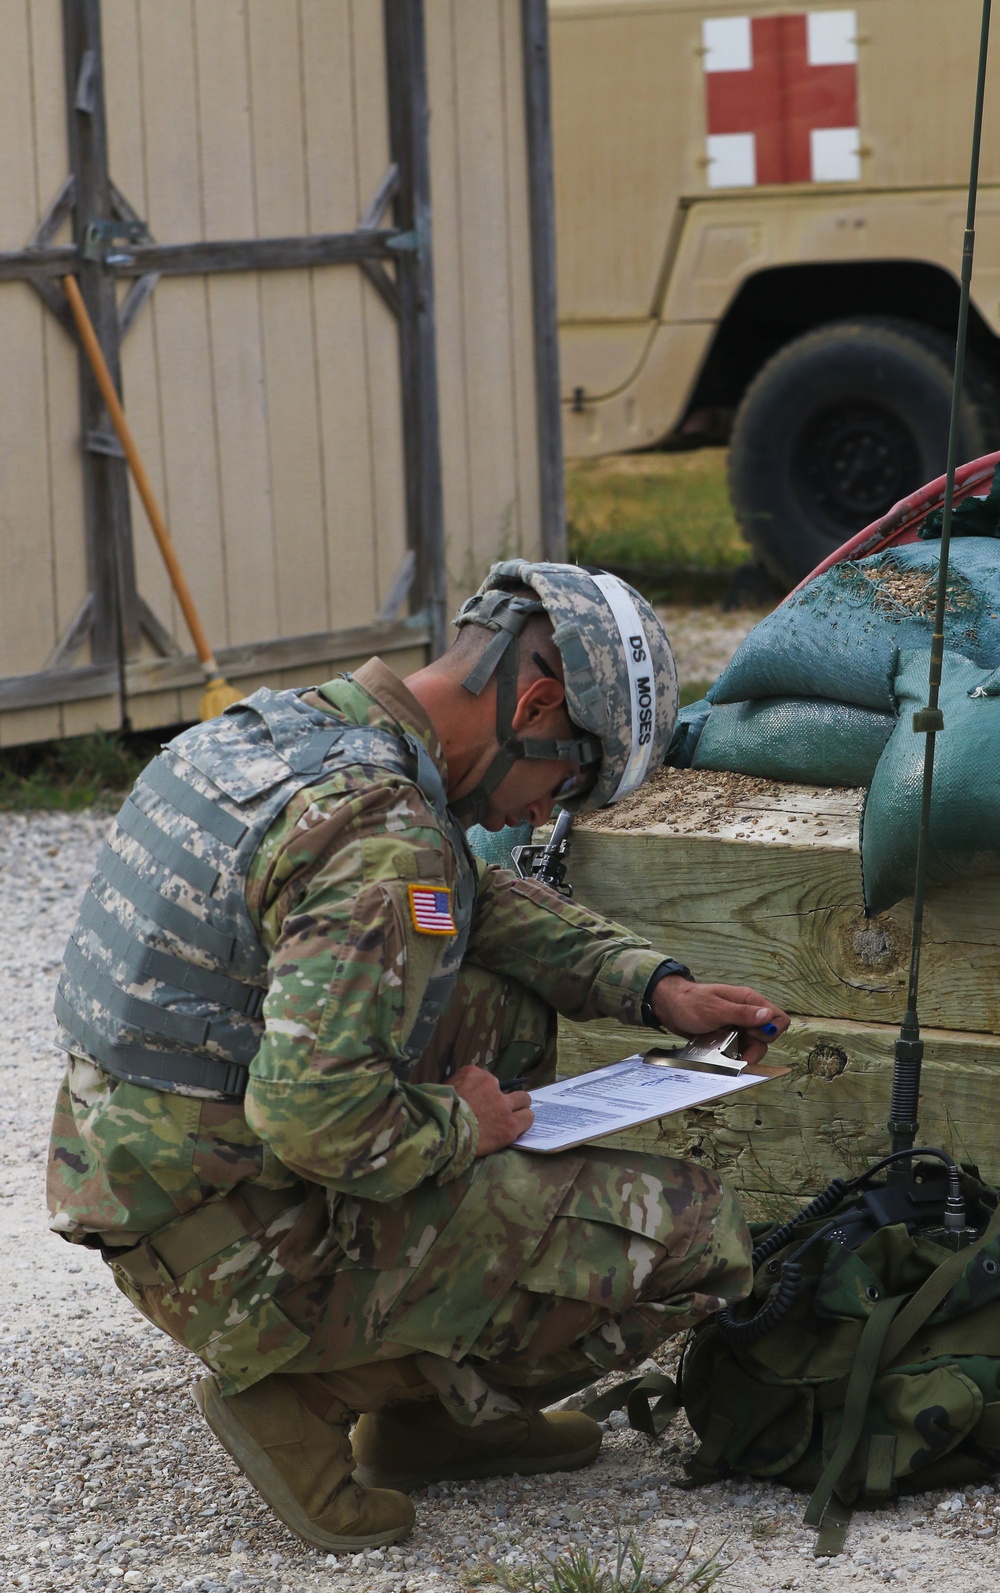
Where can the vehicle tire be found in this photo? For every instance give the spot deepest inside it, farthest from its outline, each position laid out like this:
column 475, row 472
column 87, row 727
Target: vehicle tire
column 841, row 424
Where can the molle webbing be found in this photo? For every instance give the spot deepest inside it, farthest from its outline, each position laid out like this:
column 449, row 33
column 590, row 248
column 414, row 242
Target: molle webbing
column 165, row 976
column 165, row 914
column 147, row 963
column 194, row 804
column 132, row 821
column 179, row 1072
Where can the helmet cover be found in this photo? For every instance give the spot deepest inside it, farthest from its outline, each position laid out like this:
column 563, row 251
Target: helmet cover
column 618, row 667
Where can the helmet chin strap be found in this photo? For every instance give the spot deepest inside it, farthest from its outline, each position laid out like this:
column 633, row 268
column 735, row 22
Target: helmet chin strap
column 507, row 616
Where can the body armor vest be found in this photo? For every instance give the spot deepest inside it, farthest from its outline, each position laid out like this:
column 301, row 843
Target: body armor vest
column 165, row 975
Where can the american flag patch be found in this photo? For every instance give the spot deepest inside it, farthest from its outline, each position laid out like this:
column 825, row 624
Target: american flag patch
column 430, row 909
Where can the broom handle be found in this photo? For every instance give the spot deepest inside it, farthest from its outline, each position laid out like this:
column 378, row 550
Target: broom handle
column 98, row 364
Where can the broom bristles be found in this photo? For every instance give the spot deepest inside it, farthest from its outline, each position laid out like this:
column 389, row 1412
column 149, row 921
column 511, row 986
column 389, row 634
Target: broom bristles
column 217, row 697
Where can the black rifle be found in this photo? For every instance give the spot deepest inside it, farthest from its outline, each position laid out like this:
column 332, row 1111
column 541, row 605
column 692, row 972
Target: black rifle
column 547, row 863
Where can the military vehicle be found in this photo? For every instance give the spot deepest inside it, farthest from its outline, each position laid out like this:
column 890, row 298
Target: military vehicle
column 759, row 216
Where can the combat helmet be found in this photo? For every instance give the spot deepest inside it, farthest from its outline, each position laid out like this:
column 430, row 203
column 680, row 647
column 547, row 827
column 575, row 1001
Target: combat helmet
column 619, row 674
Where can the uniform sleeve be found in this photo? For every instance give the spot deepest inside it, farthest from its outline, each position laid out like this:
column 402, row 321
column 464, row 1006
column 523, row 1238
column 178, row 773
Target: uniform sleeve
column 348, row 973
column 584, row 965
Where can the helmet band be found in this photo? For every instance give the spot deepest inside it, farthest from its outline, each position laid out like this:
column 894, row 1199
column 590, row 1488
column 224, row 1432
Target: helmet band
column 507, row 616
column 641, row 680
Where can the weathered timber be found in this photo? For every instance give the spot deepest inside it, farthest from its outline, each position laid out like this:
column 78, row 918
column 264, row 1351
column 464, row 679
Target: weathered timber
column 258, row 254
column 541, row 197
column 827, row 1116
column 764, row 888
column 409, row 124
column 38, row 265
column 176, row 671
column 107, row 510
column 203, row 259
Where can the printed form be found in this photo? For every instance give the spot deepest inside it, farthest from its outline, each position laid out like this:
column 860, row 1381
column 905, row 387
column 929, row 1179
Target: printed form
column 620, row 1096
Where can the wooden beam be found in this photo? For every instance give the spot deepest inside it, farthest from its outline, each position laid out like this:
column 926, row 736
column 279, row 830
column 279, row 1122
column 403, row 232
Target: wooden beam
column 382, row 198
column 110, row 557
column 137, row 295
column 203, row 259
column 259, row 254
column 399, row 591
column 73, row 637
column 142, row 288
column 50, row 687
column 755, row 882
column 58, row 211
column 43, row 265
column 790, row 1136
column 49, row 292
column 156, row 632
column 541, row 202
column 384, row 286
column 406, row 70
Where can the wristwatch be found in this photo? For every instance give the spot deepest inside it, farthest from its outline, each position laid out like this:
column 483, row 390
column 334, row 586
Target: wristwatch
column 668, row 967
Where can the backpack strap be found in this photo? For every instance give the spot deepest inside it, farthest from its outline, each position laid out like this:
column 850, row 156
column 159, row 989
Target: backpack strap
column 833, row 1528
column 931, row 1292
column 881, row 1472
column 636, row 1395
column 707, row 1463
column 879, row 1479
column 866, row 1366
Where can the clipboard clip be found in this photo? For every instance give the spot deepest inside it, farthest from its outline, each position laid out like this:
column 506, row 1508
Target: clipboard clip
column 709, row 1053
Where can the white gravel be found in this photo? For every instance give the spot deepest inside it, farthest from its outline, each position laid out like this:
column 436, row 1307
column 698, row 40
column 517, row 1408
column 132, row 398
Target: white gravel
column 704, row 639
column 108, row 1478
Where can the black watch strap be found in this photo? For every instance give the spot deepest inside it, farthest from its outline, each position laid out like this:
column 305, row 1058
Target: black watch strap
column 668, row 967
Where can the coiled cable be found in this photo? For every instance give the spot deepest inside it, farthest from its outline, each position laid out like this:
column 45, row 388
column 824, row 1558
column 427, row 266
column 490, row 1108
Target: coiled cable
column 782, row 1297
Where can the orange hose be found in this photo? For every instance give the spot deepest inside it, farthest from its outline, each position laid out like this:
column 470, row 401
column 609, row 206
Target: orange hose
column 98, row 365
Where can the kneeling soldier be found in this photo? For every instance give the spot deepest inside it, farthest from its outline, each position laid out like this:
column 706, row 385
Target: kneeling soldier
column 289, row 1003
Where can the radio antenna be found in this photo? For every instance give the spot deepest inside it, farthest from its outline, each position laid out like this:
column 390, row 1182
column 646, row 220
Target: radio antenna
column 929, row 721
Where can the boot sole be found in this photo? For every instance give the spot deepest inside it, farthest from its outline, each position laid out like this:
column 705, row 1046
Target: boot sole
column 471, row 1470
column 268, row 1481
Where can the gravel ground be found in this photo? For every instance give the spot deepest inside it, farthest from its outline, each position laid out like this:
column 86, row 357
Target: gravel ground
column 108, row 1477
column 705, row 638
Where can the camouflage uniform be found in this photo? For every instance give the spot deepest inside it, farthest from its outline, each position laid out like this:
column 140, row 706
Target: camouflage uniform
column 529, row 1269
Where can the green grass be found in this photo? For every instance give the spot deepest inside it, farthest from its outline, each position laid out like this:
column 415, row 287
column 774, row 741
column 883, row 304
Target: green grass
column 692, row 691
column 659, row 517
column 579, row 1571
column 82, row 772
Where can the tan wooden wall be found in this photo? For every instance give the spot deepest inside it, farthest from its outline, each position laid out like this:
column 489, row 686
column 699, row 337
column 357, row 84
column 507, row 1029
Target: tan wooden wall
column 266, row 405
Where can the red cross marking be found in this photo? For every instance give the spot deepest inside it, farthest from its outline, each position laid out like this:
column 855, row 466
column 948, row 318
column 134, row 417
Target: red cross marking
column 781, row 99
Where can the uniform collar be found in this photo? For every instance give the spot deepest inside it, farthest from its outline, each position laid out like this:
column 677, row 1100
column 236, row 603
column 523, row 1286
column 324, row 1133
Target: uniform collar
column 398, row 704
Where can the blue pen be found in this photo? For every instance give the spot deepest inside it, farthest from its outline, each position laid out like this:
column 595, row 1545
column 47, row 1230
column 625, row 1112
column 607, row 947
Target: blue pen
column 770, row 1029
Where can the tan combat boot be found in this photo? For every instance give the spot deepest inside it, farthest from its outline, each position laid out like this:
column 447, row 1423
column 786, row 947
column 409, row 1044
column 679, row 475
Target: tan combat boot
column 289, row 1435
column 416, row 1443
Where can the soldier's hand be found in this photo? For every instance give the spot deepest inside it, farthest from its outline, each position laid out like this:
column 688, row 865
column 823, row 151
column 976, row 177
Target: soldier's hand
column 501, row 1118
column 692, row 1009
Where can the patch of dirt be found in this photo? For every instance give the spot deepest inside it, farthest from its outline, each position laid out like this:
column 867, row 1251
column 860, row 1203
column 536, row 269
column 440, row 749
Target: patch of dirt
column 693, row 800
column 914, row 591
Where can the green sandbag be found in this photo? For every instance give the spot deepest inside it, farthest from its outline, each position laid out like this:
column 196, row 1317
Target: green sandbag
column 965, row 801
column 691, row 721
column 787, row 738
column 495, row 846
column 839, row 636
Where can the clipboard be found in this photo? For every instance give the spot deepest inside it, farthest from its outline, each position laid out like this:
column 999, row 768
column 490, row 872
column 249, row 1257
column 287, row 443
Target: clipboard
column 637, row 1090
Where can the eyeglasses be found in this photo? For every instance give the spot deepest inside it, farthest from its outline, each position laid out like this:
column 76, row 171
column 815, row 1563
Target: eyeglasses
column 576, row 784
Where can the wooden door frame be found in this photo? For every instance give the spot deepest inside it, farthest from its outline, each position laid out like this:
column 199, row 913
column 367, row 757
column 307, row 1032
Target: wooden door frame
column 110, row 242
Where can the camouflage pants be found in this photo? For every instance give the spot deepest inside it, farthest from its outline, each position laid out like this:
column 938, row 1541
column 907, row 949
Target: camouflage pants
column 636, row 1248
column 526, row 1272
